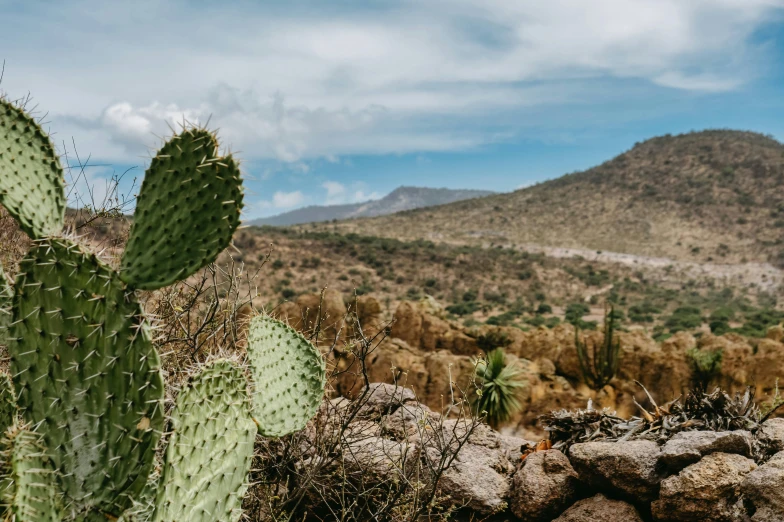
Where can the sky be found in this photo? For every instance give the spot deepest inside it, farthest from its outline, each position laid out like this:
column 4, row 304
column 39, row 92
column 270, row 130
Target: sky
column 342, row 101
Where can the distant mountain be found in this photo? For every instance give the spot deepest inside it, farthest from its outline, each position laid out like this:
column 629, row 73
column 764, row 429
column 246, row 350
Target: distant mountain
column 402, row 198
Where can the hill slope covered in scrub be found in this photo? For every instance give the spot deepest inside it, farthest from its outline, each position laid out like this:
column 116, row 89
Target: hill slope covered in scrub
column 710, row 196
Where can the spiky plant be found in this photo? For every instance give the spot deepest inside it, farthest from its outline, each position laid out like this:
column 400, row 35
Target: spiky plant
column 499, row 388
column 85, row 369
column 601, row 366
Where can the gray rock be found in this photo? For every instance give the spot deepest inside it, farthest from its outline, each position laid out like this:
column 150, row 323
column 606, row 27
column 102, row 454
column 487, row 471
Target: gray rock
column 689, row 447
column 543, row 487
column 478, row 479
column 627, row 468
column 770, row 436
column 763, row 490
column 600, row 509
column 377, row 459
column 382, row 399
column 707, row 490
column 410, row 421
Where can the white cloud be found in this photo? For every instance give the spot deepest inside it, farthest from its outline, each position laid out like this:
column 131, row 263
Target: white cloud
column 296, row 84
column 336, row 192
column 284, row 200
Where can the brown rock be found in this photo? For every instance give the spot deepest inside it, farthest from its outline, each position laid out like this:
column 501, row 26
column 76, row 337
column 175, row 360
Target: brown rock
column 707, row 490
column 543, row 487
column 775, row 333
column 600, row 509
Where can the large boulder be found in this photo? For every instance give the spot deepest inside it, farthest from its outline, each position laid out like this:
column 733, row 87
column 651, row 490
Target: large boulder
column 380, row 399
column 619, row 468
column 600, row 509
column 707, row 490
column 366, row 310
column 689, row 447
column 763, row 491
column 543, row 487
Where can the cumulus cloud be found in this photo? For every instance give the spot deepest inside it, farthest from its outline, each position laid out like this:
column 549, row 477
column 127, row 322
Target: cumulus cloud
column 294, row 84
column 284, row 200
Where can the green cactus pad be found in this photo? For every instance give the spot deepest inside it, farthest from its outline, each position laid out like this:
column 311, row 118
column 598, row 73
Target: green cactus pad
column 87, row 375
column 6, row 301
column 29, row 487
column 288, row 374
column 7, row 403
column 210, row 450
column 31, row 179
column 187, row 210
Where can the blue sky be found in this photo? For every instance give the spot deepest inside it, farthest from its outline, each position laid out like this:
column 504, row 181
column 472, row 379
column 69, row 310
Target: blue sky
column 334, row 102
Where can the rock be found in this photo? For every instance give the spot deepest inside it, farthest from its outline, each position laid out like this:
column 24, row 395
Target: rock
column 409, row 422
column 367, row 311
column 543, row 487
column 422, row 325
column 689, row 446
column 377, row 459
column 627, row 468
column 707, row 490
column 763, row 491
column 382, row 399
column 775, row 333
column 770, row 436
column 477, row 480
column 600, row 509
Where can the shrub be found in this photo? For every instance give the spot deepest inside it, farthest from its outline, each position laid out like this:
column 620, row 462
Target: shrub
column 705, row 365
column 492, row 340
column 277, row 264
column 288, row 293
column 684, row 318
column 575, row 312
column 499, row 388
column 465, row 308
column 544, row 309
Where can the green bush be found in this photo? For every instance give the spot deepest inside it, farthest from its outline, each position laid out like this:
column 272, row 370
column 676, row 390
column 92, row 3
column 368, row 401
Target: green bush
column 544, row 309
column 464, row 308
column 575, row 312
column 684, row 318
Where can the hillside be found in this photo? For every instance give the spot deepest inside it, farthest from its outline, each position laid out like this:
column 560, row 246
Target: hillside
column 710, row 196
column 400, row 199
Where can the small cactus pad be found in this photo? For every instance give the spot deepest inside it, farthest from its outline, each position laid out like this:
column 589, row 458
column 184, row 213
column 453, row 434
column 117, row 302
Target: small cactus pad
column 87, row 375
column 28, row 490
column 7, row 403
column 210, row 450
column 288, row 374
column 32, row 188
column 6, row 300
column 187, row 210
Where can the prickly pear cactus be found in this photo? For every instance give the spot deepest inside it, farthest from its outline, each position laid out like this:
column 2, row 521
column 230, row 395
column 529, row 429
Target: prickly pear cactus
column 7, row 403
column 210, row 449
column 87, row 374
column 6, row 300
column 28, row 490
column 289, row 377
column 187, row 210
column 31, row 179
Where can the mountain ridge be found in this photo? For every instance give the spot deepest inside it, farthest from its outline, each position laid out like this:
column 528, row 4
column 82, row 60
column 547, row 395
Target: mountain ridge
column 706, row 196
column 400, row 199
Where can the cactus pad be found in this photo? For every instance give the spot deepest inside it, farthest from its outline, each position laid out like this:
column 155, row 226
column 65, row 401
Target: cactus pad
column 87, row 374
column 29, row 488
column 6, row 301
column 210, row 450
column 7, row 403
column 31, row 179
column 187, row 210
column 288, row 374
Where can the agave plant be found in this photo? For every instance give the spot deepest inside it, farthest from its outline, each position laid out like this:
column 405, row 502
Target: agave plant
column 500, row 385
